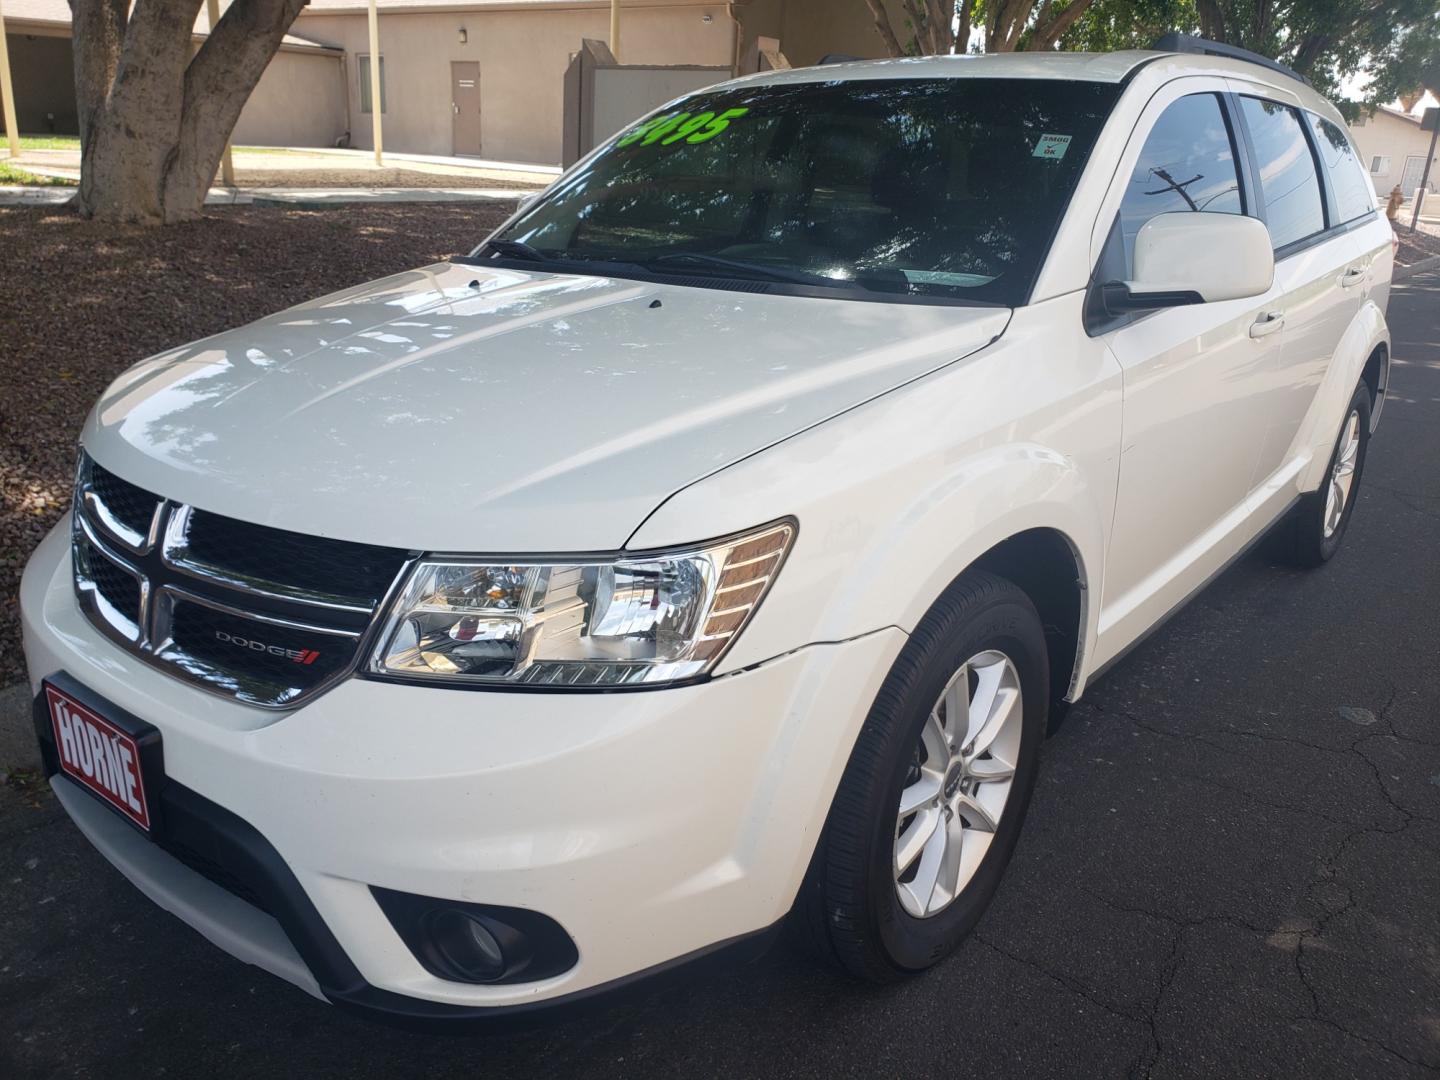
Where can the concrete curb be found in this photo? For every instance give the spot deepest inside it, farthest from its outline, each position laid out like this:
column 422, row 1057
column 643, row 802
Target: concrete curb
column 18, row 749
column 1400, row 273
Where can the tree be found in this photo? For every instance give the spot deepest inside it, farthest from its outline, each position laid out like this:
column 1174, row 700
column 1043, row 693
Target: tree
column 1327, row 41
column 1112, row 25
column 155, row 113
column 942, row 26
column 1395, row 42
column 1410, row 66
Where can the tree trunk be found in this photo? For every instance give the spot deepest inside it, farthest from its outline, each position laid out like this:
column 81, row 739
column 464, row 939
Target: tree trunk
column 1212, row 20
column 156, row 117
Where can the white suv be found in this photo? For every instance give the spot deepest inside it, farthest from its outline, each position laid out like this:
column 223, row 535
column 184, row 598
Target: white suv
column 716, row 543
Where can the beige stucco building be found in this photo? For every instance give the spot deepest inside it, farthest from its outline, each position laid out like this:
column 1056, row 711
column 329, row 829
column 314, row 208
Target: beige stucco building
column 37, row 35
column 484, row 78
column 1394, row 148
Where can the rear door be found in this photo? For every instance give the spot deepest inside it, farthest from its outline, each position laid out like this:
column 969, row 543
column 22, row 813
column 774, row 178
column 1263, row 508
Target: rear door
column 1319, row 266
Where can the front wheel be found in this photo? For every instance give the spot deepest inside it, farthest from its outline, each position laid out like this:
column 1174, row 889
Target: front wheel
column 1320, row 521
column 931, row 802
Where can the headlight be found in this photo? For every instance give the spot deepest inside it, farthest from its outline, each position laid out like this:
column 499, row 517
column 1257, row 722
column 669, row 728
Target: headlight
column 649, row 618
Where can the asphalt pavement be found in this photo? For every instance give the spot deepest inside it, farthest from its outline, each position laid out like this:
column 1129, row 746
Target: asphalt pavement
column 1231, row 868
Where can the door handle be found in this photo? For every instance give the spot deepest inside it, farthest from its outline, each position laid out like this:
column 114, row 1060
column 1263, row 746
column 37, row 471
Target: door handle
column 1352, row 276
column 1267, row 324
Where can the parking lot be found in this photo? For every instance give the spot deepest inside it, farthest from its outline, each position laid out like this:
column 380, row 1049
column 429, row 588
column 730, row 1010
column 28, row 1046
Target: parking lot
column 1231, row 868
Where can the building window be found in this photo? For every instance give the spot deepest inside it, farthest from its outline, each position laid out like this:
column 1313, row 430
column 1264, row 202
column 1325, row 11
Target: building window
column 1379, row 166
column 364, row 67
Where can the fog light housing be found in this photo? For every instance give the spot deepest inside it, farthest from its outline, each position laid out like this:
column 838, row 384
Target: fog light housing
column 473, row 948
column 478, row 943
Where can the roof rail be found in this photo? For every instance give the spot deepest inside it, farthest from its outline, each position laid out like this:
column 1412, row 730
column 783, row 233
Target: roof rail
column 1189, row 43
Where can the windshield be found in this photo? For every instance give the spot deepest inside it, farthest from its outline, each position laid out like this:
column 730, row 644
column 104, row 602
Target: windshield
column 928, row 188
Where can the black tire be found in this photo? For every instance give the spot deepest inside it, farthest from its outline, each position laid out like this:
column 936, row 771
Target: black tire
column 1307, row 545
column 848, row 911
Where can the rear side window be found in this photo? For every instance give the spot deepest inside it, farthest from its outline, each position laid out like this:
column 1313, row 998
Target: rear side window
column 1293, row 208
column 1353, row 195
column 1186, row 164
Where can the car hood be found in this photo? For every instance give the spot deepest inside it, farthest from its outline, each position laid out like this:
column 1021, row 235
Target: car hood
column 459, row 408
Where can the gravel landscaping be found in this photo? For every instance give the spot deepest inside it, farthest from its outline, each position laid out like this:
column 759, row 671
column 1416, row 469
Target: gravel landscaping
column 82, row 301
column 1414, row 246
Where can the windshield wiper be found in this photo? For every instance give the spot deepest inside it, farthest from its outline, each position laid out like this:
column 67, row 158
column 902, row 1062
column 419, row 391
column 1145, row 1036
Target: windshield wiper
column 515, row 249
column 742, row 268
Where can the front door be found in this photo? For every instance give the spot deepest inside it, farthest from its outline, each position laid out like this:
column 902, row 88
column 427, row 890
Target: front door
column 1414, row 170
column 465, row 107
column 1195, row 417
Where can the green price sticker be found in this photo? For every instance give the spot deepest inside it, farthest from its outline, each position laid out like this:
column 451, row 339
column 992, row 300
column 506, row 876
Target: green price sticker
column 680, row 127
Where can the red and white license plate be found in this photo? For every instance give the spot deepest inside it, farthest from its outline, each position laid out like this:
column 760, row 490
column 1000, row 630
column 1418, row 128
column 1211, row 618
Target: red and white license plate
column 99, row 755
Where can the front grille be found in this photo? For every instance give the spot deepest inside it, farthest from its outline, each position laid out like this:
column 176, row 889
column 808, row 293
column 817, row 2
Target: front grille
column 263, row 615
column 355, row 573
column 128, row 504
column 117, row 587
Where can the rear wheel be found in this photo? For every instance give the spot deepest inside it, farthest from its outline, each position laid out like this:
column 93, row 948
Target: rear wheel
column 1319, row 522
column 931, row 803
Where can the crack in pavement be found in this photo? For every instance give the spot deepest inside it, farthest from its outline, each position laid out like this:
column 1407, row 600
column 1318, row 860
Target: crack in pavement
column 1308, row 931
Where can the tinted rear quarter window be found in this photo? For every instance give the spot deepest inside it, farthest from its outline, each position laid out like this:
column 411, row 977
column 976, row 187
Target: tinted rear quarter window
column 1353, row 195
column 1288, row 181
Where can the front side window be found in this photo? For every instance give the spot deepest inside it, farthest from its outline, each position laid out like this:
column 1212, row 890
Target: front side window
column 1354, row 197
column 928, row 188
column 1186, row 164
column 1293, row 208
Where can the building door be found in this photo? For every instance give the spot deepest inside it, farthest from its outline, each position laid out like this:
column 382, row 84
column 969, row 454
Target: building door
column 465, row 106
column 1414, row 170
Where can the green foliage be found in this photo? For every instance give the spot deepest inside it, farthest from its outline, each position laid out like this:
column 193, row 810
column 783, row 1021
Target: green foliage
column 1328, row 41
column 1111, row 25
column 1410, row 63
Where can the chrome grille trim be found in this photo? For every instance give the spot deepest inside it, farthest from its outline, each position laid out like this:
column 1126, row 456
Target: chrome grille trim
column 99, row 514
column 246, row 607
column 176, row 552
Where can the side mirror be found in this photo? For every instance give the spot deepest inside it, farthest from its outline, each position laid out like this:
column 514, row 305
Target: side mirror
column 1195, row 258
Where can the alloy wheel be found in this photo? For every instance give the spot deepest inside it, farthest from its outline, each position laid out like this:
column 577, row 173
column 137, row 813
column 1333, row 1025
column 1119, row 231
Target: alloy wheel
column 958, row 783
column 1342, row 475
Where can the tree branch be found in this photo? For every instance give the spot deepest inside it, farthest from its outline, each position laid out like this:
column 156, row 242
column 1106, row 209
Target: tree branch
column 941, row 14
column 882, row 27
column 962, row 32
column 1048, row 33
column 919, row 24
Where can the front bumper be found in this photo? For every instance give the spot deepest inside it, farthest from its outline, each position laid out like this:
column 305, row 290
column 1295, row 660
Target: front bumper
column 651, row 825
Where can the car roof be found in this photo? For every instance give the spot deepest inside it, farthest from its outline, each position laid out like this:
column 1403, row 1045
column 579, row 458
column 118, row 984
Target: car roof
column 1111, row 67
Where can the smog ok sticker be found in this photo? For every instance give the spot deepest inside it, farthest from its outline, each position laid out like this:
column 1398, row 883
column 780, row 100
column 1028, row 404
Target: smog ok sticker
column 1052, row 146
